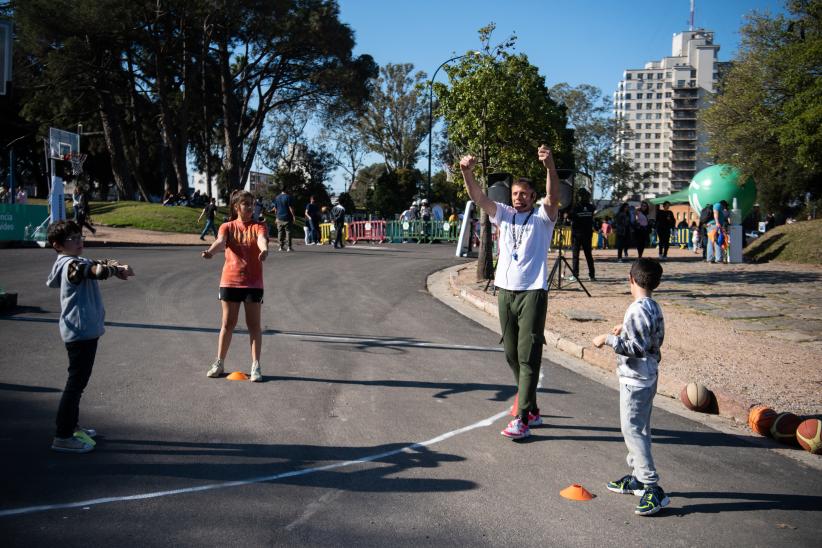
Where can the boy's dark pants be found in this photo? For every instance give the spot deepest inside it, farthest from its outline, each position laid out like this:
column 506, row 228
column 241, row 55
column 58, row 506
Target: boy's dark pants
column 81, row 360
column 522, row 318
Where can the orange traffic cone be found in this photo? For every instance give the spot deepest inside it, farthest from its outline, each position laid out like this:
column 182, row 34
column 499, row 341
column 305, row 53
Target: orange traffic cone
column 576, row 492
column 237, row 376
column 515, row 408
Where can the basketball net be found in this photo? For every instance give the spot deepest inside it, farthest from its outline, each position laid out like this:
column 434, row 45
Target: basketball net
column 77, row 159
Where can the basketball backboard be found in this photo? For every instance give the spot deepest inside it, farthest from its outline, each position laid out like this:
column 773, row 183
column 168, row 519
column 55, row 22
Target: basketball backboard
column 62, row 143
column 5, row 54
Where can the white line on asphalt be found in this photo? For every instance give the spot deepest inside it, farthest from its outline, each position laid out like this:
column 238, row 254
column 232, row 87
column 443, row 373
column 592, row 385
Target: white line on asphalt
column 223, row 485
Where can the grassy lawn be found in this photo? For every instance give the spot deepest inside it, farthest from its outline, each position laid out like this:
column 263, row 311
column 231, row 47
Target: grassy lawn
column 794, row 243
column 147, row 216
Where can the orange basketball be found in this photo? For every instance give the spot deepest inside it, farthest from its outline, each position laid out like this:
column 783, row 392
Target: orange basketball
column 784, row 428
column 760, row 419
column 809, row 435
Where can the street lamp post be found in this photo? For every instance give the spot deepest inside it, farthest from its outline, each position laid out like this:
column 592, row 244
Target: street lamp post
column 431, row 114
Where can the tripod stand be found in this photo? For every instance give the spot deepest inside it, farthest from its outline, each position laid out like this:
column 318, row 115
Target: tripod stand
column 555, row 277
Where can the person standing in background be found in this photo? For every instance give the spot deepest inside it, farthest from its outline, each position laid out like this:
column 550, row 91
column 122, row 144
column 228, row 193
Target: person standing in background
column 664, row 224
column 582, row 233
column 338, row 216
column 284, row 210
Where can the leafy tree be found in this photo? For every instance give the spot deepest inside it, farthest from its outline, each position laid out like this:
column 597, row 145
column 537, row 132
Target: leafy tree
column 395, row 120
column 347, row 202
column 393, row 191
column 349, row 148
column 499, row 109
column 596, row 134
column 366, row 180
column 767, row 117
column 445, row 190
column 275, row 55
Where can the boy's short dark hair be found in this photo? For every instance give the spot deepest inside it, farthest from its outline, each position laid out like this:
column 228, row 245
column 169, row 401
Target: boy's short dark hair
column 59, row 231
column 646, row 273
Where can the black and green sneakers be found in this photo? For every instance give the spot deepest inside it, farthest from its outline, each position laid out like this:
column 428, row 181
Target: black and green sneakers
column 627, row 485
column 653, row 500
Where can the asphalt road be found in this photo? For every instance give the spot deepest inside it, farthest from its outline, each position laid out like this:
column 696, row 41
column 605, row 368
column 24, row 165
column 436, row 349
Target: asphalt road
column 378, row 423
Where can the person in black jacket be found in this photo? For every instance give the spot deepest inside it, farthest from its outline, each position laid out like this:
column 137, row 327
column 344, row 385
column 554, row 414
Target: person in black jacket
column 664, row 223
column 582, row 231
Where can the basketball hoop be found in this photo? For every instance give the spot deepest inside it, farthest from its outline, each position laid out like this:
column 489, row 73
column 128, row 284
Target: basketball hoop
column 77, row 160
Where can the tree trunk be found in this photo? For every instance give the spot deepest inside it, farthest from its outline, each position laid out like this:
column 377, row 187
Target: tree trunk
column 485, row 256
column 174, row 128
column 114, row 143
column 233, row 144
column 137, row 146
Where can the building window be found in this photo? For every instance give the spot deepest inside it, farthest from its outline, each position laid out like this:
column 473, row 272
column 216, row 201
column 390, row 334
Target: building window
column 667, row 94
column 659, row 96
column 637, row 155
column 656, row 154
column 627, row 95
column 647, row 154
column 657, row 125
column 659, row 85
column 628, row 76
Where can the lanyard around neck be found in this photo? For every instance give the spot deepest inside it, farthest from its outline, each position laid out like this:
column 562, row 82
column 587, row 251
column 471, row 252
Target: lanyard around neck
column 517, row 238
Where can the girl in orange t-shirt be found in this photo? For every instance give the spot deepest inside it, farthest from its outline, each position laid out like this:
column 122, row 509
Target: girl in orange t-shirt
column 246, row 246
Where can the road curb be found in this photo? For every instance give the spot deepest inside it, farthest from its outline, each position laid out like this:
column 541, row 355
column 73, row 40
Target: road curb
column 727, row 405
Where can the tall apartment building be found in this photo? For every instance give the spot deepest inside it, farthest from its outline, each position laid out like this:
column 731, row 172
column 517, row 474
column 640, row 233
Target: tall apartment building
column 658, row 107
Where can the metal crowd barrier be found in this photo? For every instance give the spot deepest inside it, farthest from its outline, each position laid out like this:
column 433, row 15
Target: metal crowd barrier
column 417, row 231
column 327, row 233
column 368, row 231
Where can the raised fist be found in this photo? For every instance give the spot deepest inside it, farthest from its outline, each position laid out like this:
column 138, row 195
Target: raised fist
column 467, row 163
column 544, row 154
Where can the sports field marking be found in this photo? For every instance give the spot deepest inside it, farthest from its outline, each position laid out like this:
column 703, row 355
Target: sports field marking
column 238, row 483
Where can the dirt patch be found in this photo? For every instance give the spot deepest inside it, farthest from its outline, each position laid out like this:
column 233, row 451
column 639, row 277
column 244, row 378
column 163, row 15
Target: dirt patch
column 740, row 357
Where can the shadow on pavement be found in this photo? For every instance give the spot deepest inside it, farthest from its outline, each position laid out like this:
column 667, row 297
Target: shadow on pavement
column 661, row 436
column 743, row 502
column 360, row 342
column 503, row 392
column 27, row 388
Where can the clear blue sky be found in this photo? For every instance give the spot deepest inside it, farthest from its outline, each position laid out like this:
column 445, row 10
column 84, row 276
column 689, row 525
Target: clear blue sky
column 574, row 41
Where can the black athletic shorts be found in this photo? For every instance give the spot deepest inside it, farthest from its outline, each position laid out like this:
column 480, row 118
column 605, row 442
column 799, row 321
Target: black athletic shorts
column 241, row 294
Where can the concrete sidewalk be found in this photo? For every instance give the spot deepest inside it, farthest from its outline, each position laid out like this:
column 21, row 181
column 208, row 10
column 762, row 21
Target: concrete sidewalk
column 750, row 333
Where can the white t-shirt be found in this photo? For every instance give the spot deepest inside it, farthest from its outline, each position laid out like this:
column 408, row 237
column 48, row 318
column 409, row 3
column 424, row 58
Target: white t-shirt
column 529, row 270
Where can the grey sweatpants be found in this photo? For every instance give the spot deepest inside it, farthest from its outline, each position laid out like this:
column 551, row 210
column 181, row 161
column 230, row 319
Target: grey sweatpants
column 635, row 405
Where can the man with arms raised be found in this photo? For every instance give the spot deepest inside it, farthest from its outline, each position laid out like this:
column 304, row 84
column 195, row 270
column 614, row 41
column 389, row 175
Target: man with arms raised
column 523, row 235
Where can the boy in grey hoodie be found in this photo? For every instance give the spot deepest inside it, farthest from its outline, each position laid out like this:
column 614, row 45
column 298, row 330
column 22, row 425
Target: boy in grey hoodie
column 636, row 343
column 81, row 324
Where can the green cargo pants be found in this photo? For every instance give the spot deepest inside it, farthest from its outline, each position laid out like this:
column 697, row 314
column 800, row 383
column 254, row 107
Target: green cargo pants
column 522, row 318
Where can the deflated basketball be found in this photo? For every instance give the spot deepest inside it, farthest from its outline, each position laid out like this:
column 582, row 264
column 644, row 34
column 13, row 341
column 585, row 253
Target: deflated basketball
column 760, row 419
column 809, row 435
column 784, row 428
column 695, row 396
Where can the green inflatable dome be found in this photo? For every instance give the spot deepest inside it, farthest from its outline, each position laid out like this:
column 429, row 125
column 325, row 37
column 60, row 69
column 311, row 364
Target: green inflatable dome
column 722, row 182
